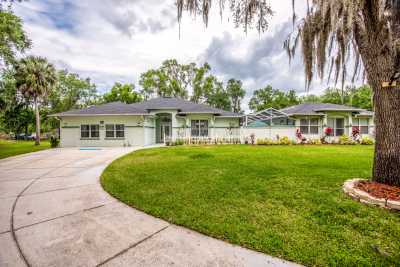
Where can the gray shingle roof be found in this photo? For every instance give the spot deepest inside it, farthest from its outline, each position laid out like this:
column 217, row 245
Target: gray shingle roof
column 114, row 108
column 119, row 108
column 317, row 108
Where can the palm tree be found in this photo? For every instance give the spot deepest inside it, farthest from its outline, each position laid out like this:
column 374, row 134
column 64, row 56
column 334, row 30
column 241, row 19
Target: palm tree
column 35, row 78
column 332, row 33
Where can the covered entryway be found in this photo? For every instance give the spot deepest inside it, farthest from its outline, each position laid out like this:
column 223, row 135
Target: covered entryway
column 163, row 127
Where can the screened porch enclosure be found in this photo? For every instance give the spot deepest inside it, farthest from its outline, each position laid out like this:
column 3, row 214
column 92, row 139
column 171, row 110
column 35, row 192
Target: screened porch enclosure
column 274, row 124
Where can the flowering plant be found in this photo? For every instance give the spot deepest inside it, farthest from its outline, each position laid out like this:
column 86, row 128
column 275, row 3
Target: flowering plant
column 298, row 134
column 355, row 131
column 328, row 131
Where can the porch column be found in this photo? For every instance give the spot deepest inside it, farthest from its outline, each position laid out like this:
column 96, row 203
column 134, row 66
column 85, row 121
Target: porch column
column 212, row 121
column 324, row 124
column 187, row 130
column 350, row 126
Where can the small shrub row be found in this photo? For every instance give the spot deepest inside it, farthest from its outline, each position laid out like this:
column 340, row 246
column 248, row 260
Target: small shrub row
column 366, row 141
column 343, row 140
column 284, row 140
column 346, row 140
column 177, row 142
column 281, row 141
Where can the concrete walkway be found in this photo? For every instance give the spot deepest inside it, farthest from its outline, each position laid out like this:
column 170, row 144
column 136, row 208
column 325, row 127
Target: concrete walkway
column 53, row 212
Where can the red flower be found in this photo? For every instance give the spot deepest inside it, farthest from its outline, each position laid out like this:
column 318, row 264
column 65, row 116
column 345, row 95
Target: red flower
column 328, row 131
column 355, row 131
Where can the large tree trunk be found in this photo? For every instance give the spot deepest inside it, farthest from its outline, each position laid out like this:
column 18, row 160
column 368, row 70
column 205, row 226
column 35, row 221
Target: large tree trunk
column 37, row 115
column 387, row 148
column 386, row 168
column 379, row 57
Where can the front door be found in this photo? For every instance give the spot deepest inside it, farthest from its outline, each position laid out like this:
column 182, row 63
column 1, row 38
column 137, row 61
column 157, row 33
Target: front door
column 165, row 132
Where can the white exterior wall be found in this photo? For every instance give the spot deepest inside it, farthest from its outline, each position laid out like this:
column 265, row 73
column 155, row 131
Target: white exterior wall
column 226, row 128
column 269, row 132
column 71, row 131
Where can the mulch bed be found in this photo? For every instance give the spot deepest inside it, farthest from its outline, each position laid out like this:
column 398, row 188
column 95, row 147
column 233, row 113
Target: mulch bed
column 379, row 190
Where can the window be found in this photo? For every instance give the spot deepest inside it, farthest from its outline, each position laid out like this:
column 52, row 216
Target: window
column 309, row 126
column 115, row 131
column 85, row 131
column 337, row 124
column 110, row 130
column 361, row 125
column 94, row 131
column 199, row 127
column 119, row 130
column 90, row 131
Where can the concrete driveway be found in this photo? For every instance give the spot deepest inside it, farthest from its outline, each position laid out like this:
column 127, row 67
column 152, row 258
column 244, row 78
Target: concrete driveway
column 53, row 212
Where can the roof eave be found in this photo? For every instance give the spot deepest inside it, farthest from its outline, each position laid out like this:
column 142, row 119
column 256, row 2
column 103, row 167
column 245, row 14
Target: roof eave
column 305, row 114
column 94, row 115
column 230, row 116
column 364, row 115
column 199, row 112
column 339, row 110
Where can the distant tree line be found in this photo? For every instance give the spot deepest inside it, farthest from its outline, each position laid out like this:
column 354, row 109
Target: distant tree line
column 360, row 97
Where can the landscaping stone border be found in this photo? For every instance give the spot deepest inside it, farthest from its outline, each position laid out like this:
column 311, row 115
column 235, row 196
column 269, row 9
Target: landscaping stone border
column 357, row 194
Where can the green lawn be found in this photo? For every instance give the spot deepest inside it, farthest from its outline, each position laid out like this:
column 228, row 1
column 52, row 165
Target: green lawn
column 13, row 148
column 286, row 201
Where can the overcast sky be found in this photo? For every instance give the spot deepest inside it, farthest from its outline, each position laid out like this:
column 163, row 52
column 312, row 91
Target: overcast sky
column 116, row 40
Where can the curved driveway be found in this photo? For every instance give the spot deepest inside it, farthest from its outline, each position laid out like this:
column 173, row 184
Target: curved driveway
column 53, row 212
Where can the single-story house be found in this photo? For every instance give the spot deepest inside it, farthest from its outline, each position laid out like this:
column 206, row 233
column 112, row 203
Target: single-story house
column 150, row 122
column 311, row 120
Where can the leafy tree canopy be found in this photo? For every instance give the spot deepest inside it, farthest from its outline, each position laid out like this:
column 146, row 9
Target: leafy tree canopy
column 15, row 114
column 268, row 97
column 12, row 36
column 72, row 92
column 176, row 80
column 124, row 93
column 236, row 93
column 171, row 79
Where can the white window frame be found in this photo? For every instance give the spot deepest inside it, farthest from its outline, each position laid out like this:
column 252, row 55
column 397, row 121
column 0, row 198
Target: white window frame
column 90, row 131
column 197, row 124
column 335, row 128
column 114, row 131
column 309, row 125
column 359, row 125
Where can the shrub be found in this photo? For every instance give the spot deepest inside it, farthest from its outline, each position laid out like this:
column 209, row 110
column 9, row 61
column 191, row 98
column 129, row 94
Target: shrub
column 260, row 142
column 285, row 141
column 179, row 142
column 367, row 141
column 266, row 142
column 54, row 141
column 315, row 141
column 346, row 140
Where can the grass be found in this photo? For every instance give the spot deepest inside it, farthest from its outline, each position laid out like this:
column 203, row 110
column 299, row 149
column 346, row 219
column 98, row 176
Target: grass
column 285, row 201
column 13, row 148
